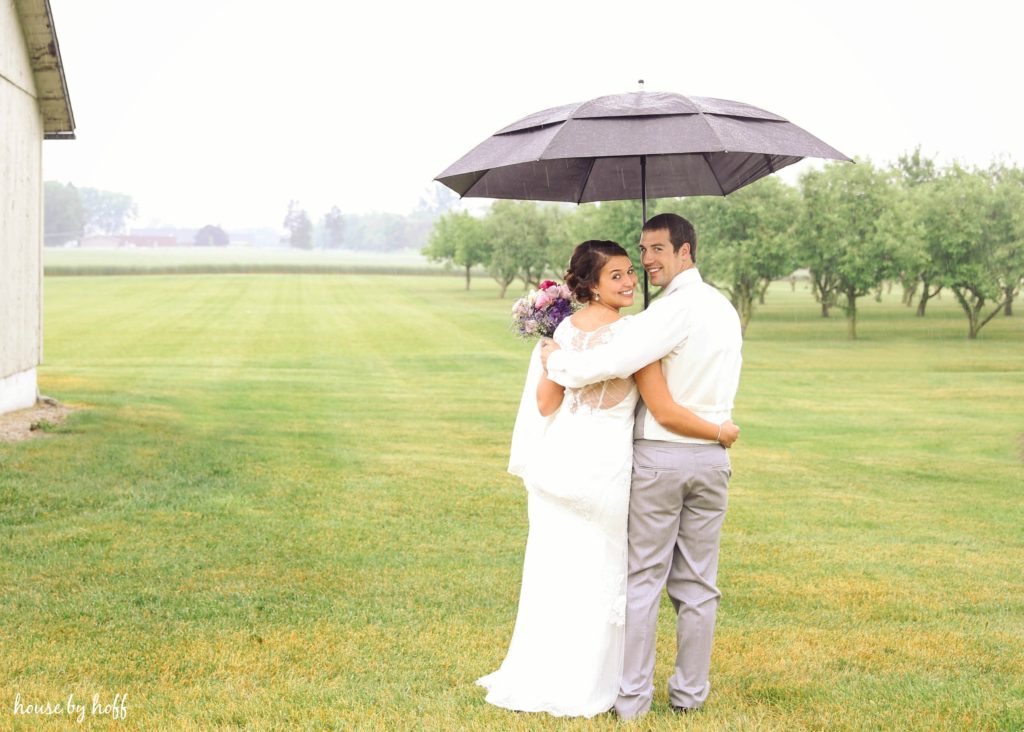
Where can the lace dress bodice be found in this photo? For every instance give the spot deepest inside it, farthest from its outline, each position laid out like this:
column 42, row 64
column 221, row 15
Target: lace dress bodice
column 604, row 395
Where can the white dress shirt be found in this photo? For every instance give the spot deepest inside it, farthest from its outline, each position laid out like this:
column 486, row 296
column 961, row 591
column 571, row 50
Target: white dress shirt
column 695, row 332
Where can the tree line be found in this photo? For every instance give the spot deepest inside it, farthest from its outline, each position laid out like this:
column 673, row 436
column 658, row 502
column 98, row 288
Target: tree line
column 70, row 212
column 377, row 232
column 855, row 227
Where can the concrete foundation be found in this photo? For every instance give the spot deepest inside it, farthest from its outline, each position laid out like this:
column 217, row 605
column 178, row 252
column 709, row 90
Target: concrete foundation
column 18, row 391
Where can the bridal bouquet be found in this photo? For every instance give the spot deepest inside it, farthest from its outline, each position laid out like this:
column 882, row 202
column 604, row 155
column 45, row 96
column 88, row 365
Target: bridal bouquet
column 537, row 314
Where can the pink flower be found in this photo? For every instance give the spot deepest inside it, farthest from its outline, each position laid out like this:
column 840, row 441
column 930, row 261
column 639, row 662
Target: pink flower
column 538, row 312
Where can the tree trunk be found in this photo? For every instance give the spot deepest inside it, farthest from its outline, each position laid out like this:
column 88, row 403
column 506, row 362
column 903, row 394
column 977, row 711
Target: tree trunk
column 910, row 292
column 504, row 287
column 819, row 294
column 746, row 310
column 926, row 295
column 1008, row 307
column 467, row 276
column 851, row 314
column 971, row 310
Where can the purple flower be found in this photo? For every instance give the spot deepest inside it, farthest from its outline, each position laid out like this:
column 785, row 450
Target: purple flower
column 540, row 311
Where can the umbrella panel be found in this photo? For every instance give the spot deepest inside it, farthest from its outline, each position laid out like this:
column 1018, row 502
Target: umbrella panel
column 633, row 136
column 582, row 180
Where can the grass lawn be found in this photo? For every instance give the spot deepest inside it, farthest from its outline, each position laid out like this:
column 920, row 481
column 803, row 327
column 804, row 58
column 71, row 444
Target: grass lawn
column 284, row 506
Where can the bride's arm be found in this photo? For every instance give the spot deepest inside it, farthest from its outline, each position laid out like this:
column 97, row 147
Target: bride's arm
column 549, row 395
column 654, row 390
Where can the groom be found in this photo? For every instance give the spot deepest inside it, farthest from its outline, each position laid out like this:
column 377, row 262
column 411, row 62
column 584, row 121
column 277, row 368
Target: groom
column 680, row 484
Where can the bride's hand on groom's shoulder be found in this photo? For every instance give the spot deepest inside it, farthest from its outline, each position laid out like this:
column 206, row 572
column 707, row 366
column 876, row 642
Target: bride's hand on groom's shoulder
column 730, row 433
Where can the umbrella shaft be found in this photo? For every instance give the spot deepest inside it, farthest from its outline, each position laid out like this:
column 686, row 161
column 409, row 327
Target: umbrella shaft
column 643, row 206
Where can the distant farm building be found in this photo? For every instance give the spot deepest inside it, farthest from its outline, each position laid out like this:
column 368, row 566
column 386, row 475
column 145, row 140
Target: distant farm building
column 34, row 105
column 151, row 238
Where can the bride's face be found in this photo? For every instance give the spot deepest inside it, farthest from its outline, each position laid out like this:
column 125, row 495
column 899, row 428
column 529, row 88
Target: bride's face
column 617, row 282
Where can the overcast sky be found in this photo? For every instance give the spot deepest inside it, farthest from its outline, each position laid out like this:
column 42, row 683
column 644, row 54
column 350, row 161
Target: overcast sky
column 216, row 111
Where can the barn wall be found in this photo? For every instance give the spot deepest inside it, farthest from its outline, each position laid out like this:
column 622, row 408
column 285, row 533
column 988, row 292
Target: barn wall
column 21, row 142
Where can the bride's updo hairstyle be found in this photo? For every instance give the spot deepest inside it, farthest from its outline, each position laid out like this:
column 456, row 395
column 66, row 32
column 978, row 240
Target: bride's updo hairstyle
column 585, row 266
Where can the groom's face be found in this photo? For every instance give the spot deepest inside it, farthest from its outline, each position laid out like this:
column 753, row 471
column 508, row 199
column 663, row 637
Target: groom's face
column 660, row 260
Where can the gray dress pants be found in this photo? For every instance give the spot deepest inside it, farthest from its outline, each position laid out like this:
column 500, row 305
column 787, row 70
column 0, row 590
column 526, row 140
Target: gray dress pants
column 676, row 507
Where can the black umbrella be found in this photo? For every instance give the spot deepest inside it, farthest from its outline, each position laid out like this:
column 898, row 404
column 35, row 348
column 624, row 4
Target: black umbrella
column 628, row 146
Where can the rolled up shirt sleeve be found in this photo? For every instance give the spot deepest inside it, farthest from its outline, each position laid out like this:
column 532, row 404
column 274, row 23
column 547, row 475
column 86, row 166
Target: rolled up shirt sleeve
column 645, row 338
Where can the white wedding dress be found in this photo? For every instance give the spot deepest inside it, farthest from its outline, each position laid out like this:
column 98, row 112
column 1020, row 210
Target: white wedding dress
column 565, row 657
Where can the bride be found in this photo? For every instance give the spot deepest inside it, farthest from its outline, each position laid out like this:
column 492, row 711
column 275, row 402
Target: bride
column 574, row 450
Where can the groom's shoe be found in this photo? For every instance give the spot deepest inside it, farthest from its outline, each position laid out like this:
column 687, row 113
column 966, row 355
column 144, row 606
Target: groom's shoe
column 683, row 710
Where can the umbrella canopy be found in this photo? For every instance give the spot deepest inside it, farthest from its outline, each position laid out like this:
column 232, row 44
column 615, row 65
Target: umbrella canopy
column 636, row 145
column 595, row 150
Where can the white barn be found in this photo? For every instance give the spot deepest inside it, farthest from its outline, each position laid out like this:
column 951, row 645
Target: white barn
column 34, row 105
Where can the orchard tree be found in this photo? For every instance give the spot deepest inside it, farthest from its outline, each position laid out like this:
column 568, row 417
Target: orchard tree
column 1007, row 227
column 967, row 233
column 504, row 262
column 441, row 242
column 459, row 238
column 915, row 268
column 745, row 241
column 816, row 248
column 569, row 230
column 845, row 232
column 555, row 223
column 910, row 262
column 517, row 232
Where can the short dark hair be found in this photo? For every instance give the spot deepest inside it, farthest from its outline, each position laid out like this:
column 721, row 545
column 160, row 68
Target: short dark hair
column 585, row 266
column 680, row 231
